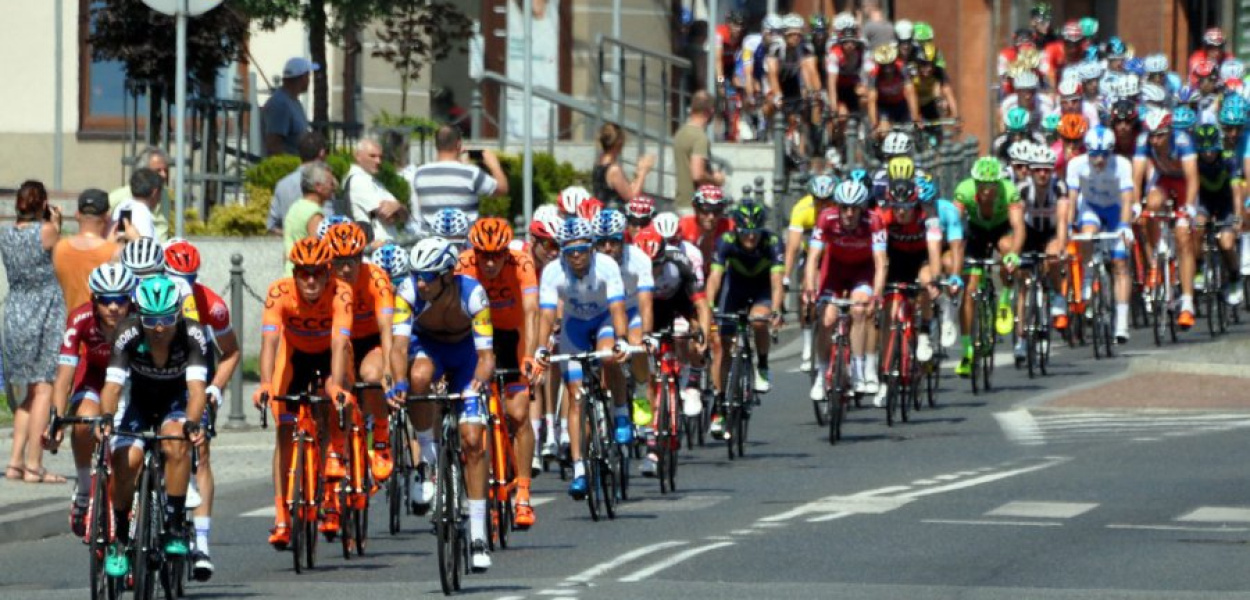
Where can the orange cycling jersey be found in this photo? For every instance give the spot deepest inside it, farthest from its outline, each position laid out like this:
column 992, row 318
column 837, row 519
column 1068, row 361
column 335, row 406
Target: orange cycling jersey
column 308, row 327
column 516, row 279
column 372, row 294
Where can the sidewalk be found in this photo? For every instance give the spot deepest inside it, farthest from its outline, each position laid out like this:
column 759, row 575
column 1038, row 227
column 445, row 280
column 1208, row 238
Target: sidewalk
column 32, row 510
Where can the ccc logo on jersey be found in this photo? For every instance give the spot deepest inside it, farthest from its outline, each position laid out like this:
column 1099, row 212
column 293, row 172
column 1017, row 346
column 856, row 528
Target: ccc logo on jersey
column 317, row 324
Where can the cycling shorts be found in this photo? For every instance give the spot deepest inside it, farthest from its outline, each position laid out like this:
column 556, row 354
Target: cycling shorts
column 931, row 111
column 583, row 335
column 896, row 112
column 149, row 415
column 508, row 356
column 297, row 372
column 1171, row 187
column 362, row 346
column 904, row 266
column 633, row 317
column 981, row 243
column 84, row 392
column 741, row 293
column 1105, row 218
column 848, row 96
column 458, row 361
column 1217, row 206
column 1036, row 240
column 665, row 312
column 841, row 279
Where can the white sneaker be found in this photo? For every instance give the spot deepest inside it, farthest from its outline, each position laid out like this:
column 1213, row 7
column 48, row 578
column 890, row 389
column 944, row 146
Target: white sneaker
column 421, row 490
column 648, row 466
column 762, row 383
column 1020, row 352
column 949, row 330
column 817, row 392
column 878, row 399
column 1235, row 294
column 193, row 495
column 871, row 385
column 536, row 465
column 1245, row 263
column 860, row 386
column 479, row 558
column 924, row 348
column 805, row 365
column 691, row 402
column 550, row 449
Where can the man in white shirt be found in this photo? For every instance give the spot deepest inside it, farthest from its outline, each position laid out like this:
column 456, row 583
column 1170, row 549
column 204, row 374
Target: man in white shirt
column 132, row 218
column 372, row 205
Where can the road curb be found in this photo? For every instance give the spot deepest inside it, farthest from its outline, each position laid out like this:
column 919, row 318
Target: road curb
column 1154, row 365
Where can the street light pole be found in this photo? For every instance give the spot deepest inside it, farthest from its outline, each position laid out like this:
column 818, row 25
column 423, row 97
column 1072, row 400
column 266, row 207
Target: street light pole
column 527, row 162
column 180, row 109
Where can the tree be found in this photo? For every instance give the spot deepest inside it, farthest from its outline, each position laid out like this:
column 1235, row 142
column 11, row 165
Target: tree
column 420, row 32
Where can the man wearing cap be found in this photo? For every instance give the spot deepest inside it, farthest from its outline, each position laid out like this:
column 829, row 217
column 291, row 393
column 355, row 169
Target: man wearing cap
column 284, row 117
column 74, row 257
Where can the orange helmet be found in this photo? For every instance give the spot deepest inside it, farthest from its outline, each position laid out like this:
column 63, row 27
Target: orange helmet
column 1073, row 126
column 490, row 234
column 346, row 239
column 311, row 252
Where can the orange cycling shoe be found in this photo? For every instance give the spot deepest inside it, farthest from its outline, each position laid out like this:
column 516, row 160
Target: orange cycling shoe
column 381, row 464
column 1185, row 320
column 280, row 536
column 330, row 524
column 1061, row 322
column 524, row 516
column 334, row 467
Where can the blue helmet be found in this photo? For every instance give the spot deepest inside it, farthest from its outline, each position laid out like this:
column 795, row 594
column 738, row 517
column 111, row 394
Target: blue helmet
column 927, row 189
column 860, row 175
column 1186, row 95
column 1135, row 66
column 1100, row 139
column 821, row 187
column 392, row 259
column 575, row 228
column 329, row 222
column 1184, row 118
column 609, row 223
column 1232, row 111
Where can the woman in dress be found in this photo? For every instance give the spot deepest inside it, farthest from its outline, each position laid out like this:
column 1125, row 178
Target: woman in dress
column 608, row 178
column 34, row 317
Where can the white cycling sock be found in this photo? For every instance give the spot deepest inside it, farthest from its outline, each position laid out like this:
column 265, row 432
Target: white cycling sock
column 870, row 367
column 477, row 520
column 425, row 440
column 550, row 420
column 807, row 343
column 84, row 485
column 564, row 427
column 1121, row 315
column 579, row 468
column 202, row 525
column 537, row 425
column 857, row 368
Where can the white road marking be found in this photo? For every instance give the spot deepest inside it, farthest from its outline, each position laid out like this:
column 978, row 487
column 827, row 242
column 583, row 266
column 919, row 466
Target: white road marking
column 987, row 522
column 672, row 561
column 632, row 555
column 1050, row 461
column 559, row 593
column 1217, row 514
column 1178, row 528
column 267, row 511
column 1042, row 510
column 1020, row 427
column 829, row 517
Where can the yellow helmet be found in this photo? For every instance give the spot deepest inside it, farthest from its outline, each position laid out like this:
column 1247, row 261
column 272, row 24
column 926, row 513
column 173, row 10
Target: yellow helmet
column 885, row 54
column 901, row 167
column 1028, row 59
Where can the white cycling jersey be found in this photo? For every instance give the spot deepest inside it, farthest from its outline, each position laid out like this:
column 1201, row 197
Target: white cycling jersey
column 1100, row 188
column 586, row 297
column 635, row 274
column 696, row 259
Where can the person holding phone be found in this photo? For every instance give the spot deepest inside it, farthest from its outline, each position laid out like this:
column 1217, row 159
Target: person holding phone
column 132, row 218
column 458, row 178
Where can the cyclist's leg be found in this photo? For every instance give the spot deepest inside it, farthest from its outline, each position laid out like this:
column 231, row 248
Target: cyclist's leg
column 292, row 371
column 1186, row 256
column 423, row 373
column 126, row 464
column 373, row 403
column 1110, row 221
column 577, row 335
column 84, row 402
column 177, row 472
column 517, row 409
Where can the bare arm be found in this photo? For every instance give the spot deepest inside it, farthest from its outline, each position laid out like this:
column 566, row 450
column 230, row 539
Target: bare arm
column 108, row 398
column 529, row 305
column 794, row 240
column 812, row 267
column 491, row 162
column 268, row 358
column 313, row 224
column 228, row 346
column 948, row 94
column 1190, row 166
column 1015, row 216
column 61, row 388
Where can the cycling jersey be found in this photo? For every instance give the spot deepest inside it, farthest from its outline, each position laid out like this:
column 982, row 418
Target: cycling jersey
column 132, row 359
column 213, row 311
column 767, row 256
column 586, row 297
column 1215, row 185
column 677, row 287
column 308, row 327
column 84, row 339
column 929, row 89
column 372, row 294
column 907, row 244
column 516, row 279
column 1181, row 148
column 790, row 65
column 453, row 353
column 688, row 229
column 803, row 215
column 847, row 68
column 729, row 48
column 474, row 305
column 751, row 58
column 1099, row 188
column 948, row 219
column 696, row 259
column 843, row 245
column 890, row 88
column 966, row 194
column 1039, row 208
column 635, row 275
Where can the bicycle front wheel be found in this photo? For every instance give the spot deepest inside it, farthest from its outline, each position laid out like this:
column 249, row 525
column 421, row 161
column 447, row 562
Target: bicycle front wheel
column 447, row 524
column 100, row 514
column 147, row 537
column 296, row 507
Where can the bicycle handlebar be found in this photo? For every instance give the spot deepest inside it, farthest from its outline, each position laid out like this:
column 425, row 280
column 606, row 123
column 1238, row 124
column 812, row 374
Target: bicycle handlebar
column 55, row 423
column 593, row 355
column 1096, row 237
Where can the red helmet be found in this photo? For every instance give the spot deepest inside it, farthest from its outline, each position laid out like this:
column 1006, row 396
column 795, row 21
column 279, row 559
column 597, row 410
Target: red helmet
column 710, row 195
column 589, row 209
column 182, row 258
column 641, row 207
column 1204, row 68
column 1072, row 31
column 651, row 243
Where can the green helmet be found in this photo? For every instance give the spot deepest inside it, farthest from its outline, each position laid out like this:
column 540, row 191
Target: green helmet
column 157, row 296
column 1089, row 27
column 1017, row 119
column 1050, row 123
column 749, row 215
column 923, row 32
column 987, row 169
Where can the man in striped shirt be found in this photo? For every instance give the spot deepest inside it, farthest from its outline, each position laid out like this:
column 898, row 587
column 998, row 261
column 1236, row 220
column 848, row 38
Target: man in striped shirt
column 453, row 182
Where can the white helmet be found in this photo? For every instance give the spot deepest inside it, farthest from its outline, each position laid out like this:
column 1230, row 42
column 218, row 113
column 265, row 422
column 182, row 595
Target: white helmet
column 432, row 255
column 1069, row 87
column 1043, row 156
column 609, row 223
column 144, row 257
column 897, row 143
column 903, row 30
column 110, row 279
column 1020, row 152
column 1091, row 70
column 1153, row 94
column 792, row 22
column 1025, row 80
column 329, row 222
column 1232, row 69
column 851, row 193
column 571, row 198
column 549, row 216
column 666, row 224
column 1156, row 63
column 1129, row 86
column 772, row 22
column 844, row 21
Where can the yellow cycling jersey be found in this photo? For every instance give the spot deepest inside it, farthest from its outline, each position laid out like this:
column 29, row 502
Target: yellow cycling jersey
column 803, row 215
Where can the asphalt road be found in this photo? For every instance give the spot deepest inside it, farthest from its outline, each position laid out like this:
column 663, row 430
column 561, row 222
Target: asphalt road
column 987, row 496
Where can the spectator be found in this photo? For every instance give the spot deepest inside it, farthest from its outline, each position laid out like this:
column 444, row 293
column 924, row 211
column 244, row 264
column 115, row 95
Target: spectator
column 877, row 30
column 691, row 151
column 312, row 148
column 608, row 178
column 370, row 203
column 34, row 315
column 452, row 182
column 285, row 121
column 153, row 158
column 74, row 257
column 301, row 221
column 132, row 219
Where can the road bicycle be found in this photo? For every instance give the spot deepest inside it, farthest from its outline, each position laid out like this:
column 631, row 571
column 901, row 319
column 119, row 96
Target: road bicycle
column 1099, row 314
column 398, row 497
column 503, row 469
column 1035, row 314
column 99, row 519
column 1215, row 278
column 305, row 479
column 900, row 371
column 355, row 489
column 668, row 418
column 982, row 334
column 839, row 391
column 740, row 395
column 1162, row 276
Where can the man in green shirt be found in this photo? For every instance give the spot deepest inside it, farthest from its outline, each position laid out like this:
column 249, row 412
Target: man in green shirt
column 301, row 220
column 691, row 151
column 153, row 158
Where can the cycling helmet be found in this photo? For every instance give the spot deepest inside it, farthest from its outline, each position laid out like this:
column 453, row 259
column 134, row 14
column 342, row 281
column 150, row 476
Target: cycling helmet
column 1041, row 10
column 1213, row 37
column 1233, row 111
column 1043, row 156
column 1020, row 152
column 749, row 216
column 924, row 32
column 1153, row 94
column 111, row 279
column 1156, row 63
column 1022, row 36
column 818, row 24
column 1069, row 88
column 1207, row 138
column 641, row 207
column 792, row 23
column 1124, row 110
column 392, row 259
column 182, row 258
column 987, row 169
column 433, row 255
column 575, row 229
column 928, row 52
column 157, row 296
column 772, row 23
column 1073, row 126
column 588, row 209
column 860, row 175
column 926, row 188
column 450, row 223
column 609, row 224
column 346, row 239
column 902, row 193
column 1025, row 80
column 571, row 198
column 896, row 143
column 1115, row 48
column 851, row 193
column 821, row 186
column 1100, row 139
column 1232, row 69
column 844, row 23
column 1028, row 59
column 490, row 234
column 735, row 17
column 329, row 222
column 709, row 195
column 651, row 243
column 1204, row 68
column 903, row 30
column 1089, row 27
column 1072, row 32
column 885, row 54
column 144, row 257
column 1090, row 70
column 1184, row 118
column 1017, row 120
column 1158, row 120
column 1050, row 123
column 1187, row 95
column 901, row 167
column 1128, row 86
column 1135, row 66
column 667, row 224
column 310, row 252
column 546, row 222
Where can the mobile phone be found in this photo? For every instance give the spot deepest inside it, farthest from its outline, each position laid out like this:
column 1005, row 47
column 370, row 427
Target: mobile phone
column 47, row 213
column 475, row 155
column 124, row 216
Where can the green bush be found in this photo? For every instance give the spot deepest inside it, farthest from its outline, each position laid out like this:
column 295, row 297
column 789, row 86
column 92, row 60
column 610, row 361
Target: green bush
column 419, row 125
column 550, row 177
column 242, row 219
column 266, row 173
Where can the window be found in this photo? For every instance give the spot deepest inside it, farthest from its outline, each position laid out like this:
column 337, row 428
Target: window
column 102, row 97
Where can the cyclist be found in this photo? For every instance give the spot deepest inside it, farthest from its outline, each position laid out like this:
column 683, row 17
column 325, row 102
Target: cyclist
column 1156, row 66
column 1212, row 52
column 849, row 253
column 746, row 273
column 305, row 344
column 728, row 47
column 708, row 224
column 543, row 250
column 750, row 68
column 373, row 312
column 1126, row 126
column 638, row 215
column 904, row 38
column 1047, row 216
column 952, row 226
column 934, row 92
column 1072, row 101
column 172, row 400
column 791, row 68
column 1027, row 97
column 512, row 286
column 585, row 289
column 144, row 257
column 84, row 356
column 182, row 265
column 1066, row 54
column 1165, row 169
column 994, row 215
column 1017, row 127
column 802, row 221
column 891, row 95
column 452, row 335
column 668, row 225
column 1221, row 188
column 1040, row 17
column 1100, row 189
column 844, row 65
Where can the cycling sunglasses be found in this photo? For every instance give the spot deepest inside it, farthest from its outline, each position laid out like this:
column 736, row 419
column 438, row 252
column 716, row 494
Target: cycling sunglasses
column 426, row 276
column 112, row 299
column 549, row 245
column 576, row 249
column 343, row 261
column 497, row 256
column 154, row 321
column 308, row 272
column 614, row 239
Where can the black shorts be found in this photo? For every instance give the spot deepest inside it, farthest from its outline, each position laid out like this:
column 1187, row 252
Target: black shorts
column 1035, row 240
column 507, row 344
column 361, row 347
column 982, row 243
column 740, row 292
column 931, row 111
column 1216, row 206
column 308, row 372
column 904, row 266
column 664, row 312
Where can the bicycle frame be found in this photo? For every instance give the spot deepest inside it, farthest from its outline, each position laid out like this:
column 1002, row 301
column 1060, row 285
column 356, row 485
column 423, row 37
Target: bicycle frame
column 604, row 459
column 450, row 512
column 503, row 469
column 900, row 372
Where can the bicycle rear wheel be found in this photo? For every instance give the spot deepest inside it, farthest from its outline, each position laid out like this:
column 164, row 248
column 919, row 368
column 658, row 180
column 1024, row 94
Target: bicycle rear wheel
column 613, row 474
column 147, row 536
column 734, row 400
column 98, row 531
column 296, row 508
column 447, row 526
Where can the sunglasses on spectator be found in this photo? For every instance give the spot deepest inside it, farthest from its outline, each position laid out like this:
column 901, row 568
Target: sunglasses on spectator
column 152, row 322
column 112, row 300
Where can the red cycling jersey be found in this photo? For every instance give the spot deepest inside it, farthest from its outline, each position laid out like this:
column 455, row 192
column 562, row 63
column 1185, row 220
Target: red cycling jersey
column 84, row 339
column 729, row 48
column 847, row 67
column 843, row 245
column 213, row 311
column 906, row 237
column 890, row 87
